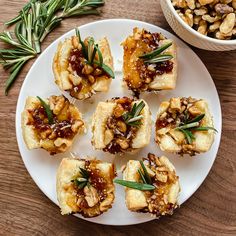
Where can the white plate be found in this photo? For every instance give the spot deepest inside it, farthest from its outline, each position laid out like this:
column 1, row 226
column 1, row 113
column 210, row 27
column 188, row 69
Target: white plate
column 193, row 80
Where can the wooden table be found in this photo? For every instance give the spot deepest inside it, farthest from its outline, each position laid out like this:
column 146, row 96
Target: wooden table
column 25, row 210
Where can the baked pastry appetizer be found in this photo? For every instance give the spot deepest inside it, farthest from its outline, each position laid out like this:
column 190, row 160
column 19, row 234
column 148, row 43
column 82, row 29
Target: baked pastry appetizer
column 50, row 124
column 121, row 125
column 184, row 126
column 151, row 185
column 150, row 62
column 83, row 67
column 85, row 187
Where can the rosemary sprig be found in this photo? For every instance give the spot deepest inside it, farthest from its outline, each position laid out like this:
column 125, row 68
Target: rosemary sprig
column 134, row 185
column 7, row 38
column 189, row 125
column 188, row 135
column 133, row 118
column 146, row 175
column 26, row 8
column 193, row 125
column 204, row 128
column 47, row 110
column 196, row 119
column 81, row 7
column 32, row 25
column 159, row 58
column 89, row 53
column 81, row 182
column 142, row 176
column 155, row 56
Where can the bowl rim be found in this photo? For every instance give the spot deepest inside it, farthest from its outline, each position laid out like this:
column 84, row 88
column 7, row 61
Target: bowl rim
column 191, row 30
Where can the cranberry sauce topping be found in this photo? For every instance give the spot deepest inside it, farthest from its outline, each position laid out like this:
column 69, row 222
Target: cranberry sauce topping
column 60, row 129
column 164, row 67
column 75, row 60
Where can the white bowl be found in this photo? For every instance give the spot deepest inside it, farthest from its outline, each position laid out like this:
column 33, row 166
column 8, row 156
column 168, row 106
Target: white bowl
column 190, row 35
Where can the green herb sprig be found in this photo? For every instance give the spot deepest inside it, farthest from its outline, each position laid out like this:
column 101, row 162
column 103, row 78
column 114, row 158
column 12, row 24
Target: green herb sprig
column 155, row 56
column 147, row 184
column 144, row 174
column 193, row 125
column 90, row 52
column 134, row 185
column 83, row 181
column 133, row 118
column 47, row 110
column 32, row 25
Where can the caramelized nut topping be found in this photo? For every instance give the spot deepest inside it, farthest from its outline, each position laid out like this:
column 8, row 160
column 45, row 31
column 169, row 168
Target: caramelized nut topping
column 122, row 134
column 160, row 199
column 67, row 123
column 83, row 75
column 178, row 112
column 91, row 196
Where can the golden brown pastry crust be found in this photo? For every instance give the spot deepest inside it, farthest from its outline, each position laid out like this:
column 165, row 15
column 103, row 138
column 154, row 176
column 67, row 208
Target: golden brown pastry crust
column 136, row 77
column 161, row 201
column 171, row 140
column 104, row 111
column 37, row 133
column 67, row 79
column 71, row 201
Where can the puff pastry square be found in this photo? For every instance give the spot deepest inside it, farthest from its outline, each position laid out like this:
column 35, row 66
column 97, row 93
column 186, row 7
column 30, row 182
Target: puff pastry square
column 140, row 76
column 72, row 74
column 174, row 113
column 92, row 199
column 112, row 134
column 163, row 199
column 56, row 137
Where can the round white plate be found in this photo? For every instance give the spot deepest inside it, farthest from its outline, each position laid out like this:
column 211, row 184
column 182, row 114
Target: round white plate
column 193, row 80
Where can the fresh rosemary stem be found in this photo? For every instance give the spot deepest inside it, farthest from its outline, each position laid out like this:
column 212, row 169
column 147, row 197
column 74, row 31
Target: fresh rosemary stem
column 15, row 69
column 33, row 23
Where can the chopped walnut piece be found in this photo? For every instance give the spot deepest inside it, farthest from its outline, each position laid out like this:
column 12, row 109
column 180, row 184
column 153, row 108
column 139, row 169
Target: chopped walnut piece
column 123, row 143
column 118, row 111
column 91, row 195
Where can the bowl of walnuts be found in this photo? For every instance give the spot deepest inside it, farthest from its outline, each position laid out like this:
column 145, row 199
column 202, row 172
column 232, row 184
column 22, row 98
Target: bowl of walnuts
column 206, row 24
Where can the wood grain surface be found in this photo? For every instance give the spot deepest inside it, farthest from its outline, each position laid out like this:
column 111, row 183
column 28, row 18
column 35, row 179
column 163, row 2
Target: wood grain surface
column 25, row 210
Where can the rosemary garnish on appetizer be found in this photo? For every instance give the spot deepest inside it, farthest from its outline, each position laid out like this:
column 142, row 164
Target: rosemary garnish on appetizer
column 33, row 23
column 90, row 52
column 193, row 125
column 155, row 56
column 133, row 118
column 83, row 181
column 145, row 186
column 134, row 185
column 144, row 174
column 47, row 110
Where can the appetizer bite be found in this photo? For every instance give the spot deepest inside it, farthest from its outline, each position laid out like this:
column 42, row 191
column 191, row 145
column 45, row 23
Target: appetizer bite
column 121, row 125
column 150, row 62
column 83, row 67
column 151, row 185
column 85, row 187
column 184, row 126
column 50, row 124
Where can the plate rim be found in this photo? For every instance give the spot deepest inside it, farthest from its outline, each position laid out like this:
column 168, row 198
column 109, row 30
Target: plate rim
column 18, row 111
